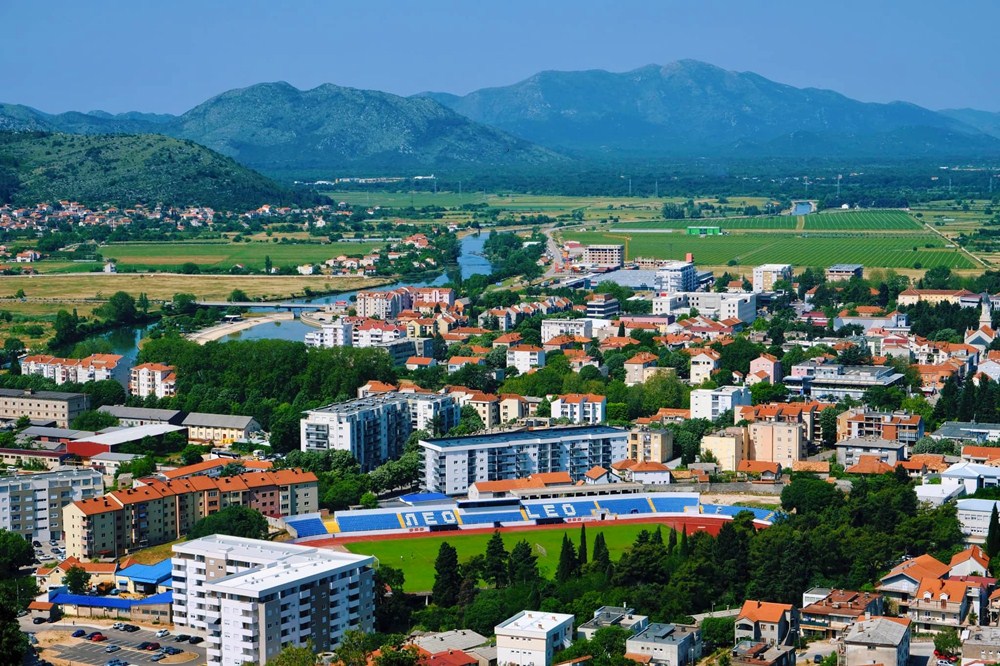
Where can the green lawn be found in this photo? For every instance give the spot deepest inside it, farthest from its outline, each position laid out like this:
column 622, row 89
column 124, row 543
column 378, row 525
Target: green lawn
column 867, row 220
column 415, row 555
column 165, row 256
column 774, row 222
column 803, row 249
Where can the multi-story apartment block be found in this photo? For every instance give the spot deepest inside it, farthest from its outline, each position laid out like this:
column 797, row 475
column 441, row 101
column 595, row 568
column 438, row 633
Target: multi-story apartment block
column 666, row 645
column 940, row 604
column 374, row 429
column 703, row 364
column 729, row 446
column 850, row 451
column 580, row 408
column 765, row 276
column 338, row 333
column 777, row 442
column 605, row 256
column 154, row 379
column 844, row 272
column 424, row 296
column 158, row 512
column 640, row 367
column 252, row 598
column 602, row 306
column 531, row 638
column 525, row 357
column 382, row 304
column 552, row 328
column 710, row 403
column 717, row 305
column 650, row 445
column 879, row 640
column 452, row 464
column 55, row 406
column 765, row 368
column 32, row 504
column 673, row 276
column 94, row 368
column 899, row 426
column 806, row 413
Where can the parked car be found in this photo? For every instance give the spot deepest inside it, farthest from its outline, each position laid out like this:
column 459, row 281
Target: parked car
column 99, row 637
column 79, row 633
column 118, row 625
column 38, row 620
column 131, row 628
column 143, row 645
column 112, row 648
column 36, row 544
column 171, row 650
column 181, row 638
column 162, row 632
column 194, row 640
column 22, row 613
column 158, row 657
column 153, row 646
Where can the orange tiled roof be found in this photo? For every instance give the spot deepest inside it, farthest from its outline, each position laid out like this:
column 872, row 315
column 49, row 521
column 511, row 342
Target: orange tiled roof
column 763, row 611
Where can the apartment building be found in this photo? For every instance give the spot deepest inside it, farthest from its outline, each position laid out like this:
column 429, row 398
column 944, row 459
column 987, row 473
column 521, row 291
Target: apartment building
column 940, row 604
column 766, row 622
column 94, row 368
column 531, row 638
column 338, row 333
column 835, row 382
column 766, row 368
column 452, row 464
column 717, row 305
column 650, row 445
column 32, row 504
column 604, row 256
column 154, row 379
column 552, row 328
column 612, row 616
column 837, row 611
column 56, row 406
column 374, row 429
column 710, row 403
column 898, row 426
column 525, row 357
column 703, row 364
column 805, row 413
column 765, row 276
column 219, row 428
column 580, row 408
column 159, row 512
column 252, row 598
column 382, row 304
column 665, row 645
column 777, row 442
column 729, row 446
column 487, row 405
column 673, row 276
column 850, row 451
column 878, row 640
column 641, row 367
column 602, row 306
column 424, row 296
column 844, row 272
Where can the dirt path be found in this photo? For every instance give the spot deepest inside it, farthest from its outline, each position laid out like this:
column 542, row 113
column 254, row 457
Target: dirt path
column 800, row 223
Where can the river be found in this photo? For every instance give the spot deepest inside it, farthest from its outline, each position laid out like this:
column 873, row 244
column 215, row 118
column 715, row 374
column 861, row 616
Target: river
column 125, row 341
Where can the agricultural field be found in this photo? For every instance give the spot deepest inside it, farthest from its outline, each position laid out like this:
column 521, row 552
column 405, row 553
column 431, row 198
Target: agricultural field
column 747, row 223
column 869, row 220
column 415, row 555
column 170, row 256
column 918, row 250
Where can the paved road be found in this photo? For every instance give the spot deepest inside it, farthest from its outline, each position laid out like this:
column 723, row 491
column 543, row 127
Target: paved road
column 80, row 651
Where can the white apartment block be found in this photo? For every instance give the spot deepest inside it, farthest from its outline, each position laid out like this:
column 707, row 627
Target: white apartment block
column 708, row 303
column 443, row 296
column 374, row 429
column 531, row 638
column 152, row 379
column 382, row 304
column 452, row 464
column 604, row 256
column 710, row 403
column 32, row 504
column 765, row 276
column 94, row 368
column 552, row 328
column 580, row 408
column 676, row 276
column 525, row 357
column 338, row 333
column 252, row 598
column 374, row 333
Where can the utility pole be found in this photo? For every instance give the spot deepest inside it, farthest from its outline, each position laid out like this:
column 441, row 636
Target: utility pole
column 630, row 186
column 657, row 189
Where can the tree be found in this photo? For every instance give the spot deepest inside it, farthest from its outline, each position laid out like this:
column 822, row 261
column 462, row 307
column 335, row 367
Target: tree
column 13, row 642
column 77, row 580
column 398, row 656
column 235, row 520
column 369, row 500
column 447, row 576
column 718, row 631
column 523, row 565
column 138, row 468
column 143, row 303
column 569, row 563
column 602, row 558
column 267, row 264
column 828, row 426
column 191, row 454
column 119, row 310
column 238, row 296
column 495, row 566
column 947, row 642
column 294, row 656
column 353, row 648
column 15, row 552
column 992, row 544
column 582, row 550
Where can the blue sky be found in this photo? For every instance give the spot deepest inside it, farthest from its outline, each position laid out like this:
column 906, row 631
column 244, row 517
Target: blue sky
column 167, row 56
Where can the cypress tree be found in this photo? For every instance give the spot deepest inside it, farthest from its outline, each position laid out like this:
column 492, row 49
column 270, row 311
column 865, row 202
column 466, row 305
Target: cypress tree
column 684, row 542
column 447, row 579
column 672, row 541
column 657, row 538
column 582, row 553
column 569, row 565
column 992, row 545
column 495, row 566
column 602, row 558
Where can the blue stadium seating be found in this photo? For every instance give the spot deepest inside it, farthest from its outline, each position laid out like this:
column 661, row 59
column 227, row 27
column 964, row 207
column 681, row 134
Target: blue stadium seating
column 560, row 508
column 360, row 521
column 626, row 505
column 490, row 517
column 429, row 517
column 308, row 527
column 726, row 510
column 667, row 504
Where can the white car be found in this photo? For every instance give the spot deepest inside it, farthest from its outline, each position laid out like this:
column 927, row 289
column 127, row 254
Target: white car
column 163, row 632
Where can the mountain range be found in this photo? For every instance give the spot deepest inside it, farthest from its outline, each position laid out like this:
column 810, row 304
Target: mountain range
column 686, row 109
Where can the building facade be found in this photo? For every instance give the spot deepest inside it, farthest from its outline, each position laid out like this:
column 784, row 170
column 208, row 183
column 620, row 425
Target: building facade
column 55, row 406
column 605, row 256
column 154, row 379
column 580, row 408
column 673, row 276
column 531, row 638
column 710, row 403
column 765, row 276
column 32, row 504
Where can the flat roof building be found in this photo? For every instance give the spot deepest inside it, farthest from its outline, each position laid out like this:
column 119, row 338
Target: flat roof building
column 32, row 504
column 531, row 638
column 58, row 406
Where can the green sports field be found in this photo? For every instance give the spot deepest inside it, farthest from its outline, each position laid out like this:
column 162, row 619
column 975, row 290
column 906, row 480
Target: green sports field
column 169, row 256
column 774, row 222
column 415, row 555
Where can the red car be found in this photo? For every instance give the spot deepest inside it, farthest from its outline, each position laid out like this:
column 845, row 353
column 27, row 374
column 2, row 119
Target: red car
column 98, row 637
column 153, row 646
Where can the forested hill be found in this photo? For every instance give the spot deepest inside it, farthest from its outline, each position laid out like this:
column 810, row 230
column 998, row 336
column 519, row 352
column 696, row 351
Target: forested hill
column 126, row 169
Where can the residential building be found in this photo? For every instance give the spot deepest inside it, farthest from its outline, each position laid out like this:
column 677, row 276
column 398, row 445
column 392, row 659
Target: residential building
column 899, row 426
column 432, row 296
column 974, row 518
column 665, row 645
column 158, row 512
column 751, row 653
column 650, row 445
column 50, row 578
column 844, row 272
column 730, row 447
column 714, row 304
column 605, row 256
column 782, row 443
column 219, row 428
column 552, row 328
column 963, row 431
column 154, row 379
column 94, row 368
column 903, row 581
column 514, row 407
column 765, row 276
column 935, row 296
column 835, row 382
column 140, row 416
column 456, row 363
column 252, row 598
column 766, row 622
column 338, row 333
column 34, row 458
column 765, row 368
column 374, row 429
column 849, row 451
column 833, row 615
column 805, row 413
column 612, row 616
column 452, row 464
column 531, row 638
column 711, row 403
column 673, row 276
column 648, row 473
column 525, row 357
column 382, row 304
column 641, row 367
column 703, row 363
column 970, row 562
column 602, row 306
column 56, row 406
column 32, row 504
column 580, row 408
column 878, row 640
column 980, row 645
column 939, row 604
column 487, row 405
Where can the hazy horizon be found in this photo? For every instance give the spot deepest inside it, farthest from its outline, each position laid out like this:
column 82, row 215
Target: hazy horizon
column 117, row 56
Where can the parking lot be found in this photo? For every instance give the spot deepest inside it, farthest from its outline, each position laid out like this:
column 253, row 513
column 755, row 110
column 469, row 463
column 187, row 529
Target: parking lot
column 82, row 651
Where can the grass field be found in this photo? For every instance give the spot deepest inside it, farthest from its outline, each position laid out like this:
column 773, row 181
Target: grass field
column 415, row 555
column 163, row 256
column 869, row 220
column 872, row 250
column 783, row 222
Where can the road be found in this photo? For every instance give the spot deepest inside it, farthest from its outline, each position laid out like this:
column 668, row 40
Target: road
column 81, row 651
